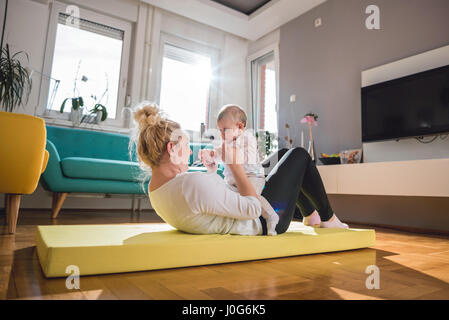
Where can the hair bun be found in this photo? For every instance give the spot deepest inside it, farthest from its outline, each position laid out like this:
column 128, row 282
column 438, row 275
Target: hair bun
column 148, row 115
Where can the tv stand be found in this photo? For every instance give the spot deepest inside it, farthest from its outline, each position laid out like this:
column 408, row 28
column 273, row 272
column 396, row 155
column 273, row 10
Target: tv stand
column 421, row 178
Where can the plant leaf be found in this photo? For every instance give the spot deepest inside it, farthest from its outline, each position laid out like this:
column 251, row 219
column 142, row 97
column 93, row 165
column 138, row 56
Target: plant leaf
column 63, row 105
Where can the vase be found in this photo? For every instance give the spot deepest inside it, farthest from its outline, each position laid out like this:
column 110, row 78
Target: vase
column 311, row 151
column 75, row 116
column 127, row 114
column 98, row 116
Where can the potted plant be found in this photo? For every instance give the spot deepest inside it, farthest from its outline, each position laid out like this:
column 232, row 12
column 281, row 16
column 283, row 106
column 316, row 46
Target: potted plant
column 98, row 114
column 15, row 81
column 76, row 110
column 77, row 107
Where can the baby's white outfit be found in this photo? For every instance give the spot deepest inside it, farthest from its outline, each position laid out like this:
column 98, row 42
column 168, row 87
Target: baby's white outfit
column 247, row 144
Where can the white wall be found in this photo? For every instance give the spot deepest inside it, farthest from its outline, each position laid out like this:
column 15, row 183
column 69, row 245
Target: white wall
column 234, row 77
column 263, row 42
column 26, row 30
column 27, row 26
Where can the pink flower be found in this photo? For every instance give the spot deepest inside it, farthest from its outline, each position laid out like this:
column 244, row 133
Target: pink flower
column 309, row 119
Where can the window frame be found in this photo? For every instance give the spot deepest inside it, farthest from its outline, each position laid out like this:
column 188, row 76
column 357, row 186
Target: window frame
column 190, row 45
column 253, row 88
column 126, row 27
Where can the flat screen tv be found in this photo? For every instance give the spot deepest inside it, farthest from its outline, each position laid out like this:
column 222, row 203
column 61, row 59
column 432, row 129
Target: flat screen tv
column 411, row 106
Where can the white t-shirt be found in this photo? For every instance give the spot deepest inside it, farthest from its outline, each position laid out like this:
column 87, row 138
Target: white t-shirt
column 202, row 203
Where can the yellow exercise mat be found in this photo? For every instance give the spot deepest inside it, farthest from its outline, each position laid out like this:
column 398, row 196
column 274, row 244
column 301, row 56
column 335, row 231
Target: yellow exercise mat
column 102, row 249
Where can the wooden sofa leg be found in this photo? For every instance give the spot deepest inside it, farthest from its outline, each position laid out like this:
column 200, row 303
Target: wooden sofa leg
column 58, row 200
column 7, row 205
column 12, row 212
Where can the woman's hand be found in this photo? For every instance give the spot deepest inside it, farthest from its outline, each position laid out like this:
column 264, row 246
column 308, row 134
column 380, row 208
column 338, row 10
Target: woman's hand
column 208, row 159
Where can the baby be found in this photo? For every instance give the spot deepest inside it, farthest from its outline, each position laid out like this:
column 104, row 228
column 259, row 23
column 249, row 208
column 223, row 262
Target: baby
column 232, row 124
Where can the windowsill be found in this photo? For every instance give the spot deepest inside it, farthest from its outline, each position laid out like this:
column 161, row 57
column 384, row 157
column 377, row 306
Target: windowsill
column 87, row 126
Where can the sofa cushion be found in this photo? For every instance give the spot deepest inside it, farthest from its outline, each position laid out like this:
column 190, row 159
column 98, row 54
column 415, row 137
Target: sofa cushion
column 89, row 143
column 102, row 169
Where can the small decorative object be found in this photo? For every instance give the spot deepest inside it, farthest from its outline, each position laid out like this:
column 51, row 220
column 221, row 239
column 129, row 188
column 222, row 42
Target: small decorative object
column 288, row 137
column 267, row 143
column 202, row 128
column 127, row 116
column 127, row 112
column 302, row 139
column 330, row 158
column 310, row 118
column 351, row 156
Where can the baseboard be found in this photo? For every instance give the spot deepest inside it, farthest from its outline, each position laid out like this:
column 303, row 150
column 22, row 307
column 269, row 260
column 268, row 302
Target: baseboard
column 374, row 225
column 395, row 227
column 86, row 210
column 403, row 228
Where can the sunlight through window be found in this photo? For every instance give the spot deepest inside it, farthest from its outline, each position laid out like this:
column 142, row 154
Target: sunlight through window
column 95, row 50
column 185, row 86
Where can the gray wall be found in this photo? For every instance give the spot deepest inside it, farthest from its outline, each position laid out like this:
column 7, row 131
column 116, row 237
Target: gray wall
column 323, row 65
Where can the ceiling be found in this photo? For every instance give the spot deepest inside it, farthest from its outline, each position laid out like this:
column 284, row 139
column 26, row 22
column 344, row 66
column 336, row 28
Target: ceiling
column 272, row 14
column 244, row 6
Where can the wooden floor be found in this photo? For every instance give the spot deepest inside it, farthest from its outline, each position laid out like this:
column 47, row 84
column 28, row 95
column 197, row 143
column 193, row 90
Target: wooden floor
column 411, row 266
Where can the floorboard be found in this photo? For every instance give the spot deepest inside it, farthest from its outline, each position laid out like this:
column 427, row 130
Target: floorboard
column 412, row 266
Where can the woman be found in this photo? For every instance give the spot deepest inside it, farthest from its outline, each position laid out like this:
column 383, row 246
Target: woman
column 201, row 203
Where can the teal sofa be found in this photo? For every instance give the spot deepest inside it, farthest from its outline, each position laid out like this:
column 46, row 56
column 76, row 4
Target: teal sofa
column 86, row 161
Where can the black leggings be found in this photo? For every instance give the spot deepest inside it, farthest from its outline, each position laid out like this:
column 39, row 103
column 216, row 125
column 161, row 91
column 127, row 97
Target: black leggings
column 295, row 184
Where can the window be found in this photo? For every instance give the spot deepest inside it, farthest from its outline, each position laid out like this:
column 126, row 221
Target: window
column 263, row 73
column 187, row 83
column 185, row 86
column 263, row 79
column 87, row 62
column 90, row 59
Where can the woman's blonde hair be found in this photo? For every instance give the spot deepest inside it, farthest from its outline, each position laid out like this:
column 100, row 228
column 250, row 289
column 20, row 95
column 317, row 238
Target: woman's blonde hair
column 153, row 133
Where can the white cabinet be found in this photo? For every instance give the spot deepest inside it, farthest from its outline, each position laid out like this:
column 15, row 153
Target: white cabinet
column 396, row 178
